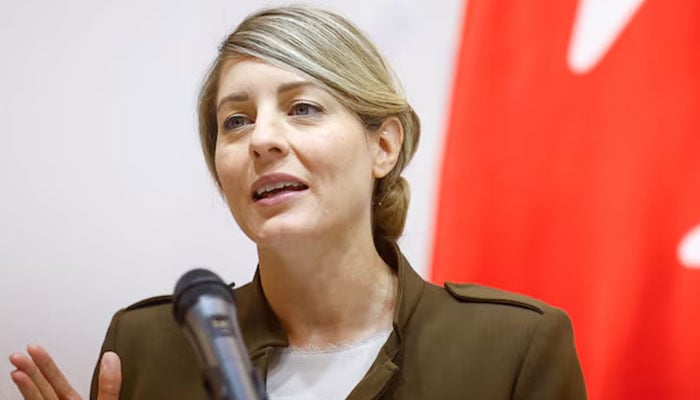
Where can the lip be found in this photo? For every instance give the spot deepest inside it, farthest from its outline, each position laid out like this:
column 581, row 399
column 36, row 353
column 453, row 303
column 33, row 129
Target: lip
column 271, row 179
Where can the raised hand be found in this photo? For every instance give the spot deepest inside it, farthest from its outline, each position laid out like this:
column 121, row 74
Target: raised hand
column 38, row 378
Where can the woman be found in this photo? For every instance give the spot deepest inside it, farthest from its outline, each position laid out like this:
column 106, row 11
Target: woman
column 306, row 132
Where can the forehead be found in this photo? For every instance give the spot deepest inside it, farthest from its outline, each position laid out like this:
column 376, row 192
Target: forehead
column 250, row 74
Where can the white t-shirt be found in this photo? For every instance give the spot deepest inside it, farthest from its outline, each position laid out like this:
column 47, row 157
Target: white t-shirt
column 321, row 374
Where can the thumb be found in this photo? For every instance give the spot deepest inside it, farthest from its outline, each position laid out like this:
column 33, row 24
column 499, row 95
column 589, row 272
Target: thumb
column 110, row 377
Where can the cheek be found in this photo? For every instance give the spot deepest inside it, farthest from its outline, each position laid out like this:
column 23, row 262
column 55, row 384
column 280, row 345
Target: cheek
column 220, row 165
column 229, row 169
column 350, row 166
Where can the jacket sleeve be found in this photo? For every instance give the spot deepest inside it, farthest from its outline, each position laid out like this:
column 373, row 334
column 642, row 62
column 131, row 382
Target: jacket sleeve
column 551, row 368
column 109, row 344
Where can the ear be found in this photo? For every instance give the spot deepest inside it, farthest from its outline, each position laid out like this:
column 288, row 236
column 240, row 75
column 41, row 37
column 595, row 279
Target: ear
column 386, row 142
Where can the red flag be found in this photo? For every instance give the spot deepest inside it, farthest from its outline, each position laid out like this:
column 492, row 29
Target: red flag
column 578, row 181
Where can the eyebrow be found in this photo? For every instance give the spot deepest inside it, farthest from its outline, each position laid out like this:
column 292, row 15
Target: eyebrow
column 239, row 97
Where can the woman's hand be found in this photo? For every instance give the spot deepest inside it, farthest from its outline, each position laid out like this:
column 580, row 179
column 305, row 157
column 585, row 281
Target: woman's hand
column 38, row 377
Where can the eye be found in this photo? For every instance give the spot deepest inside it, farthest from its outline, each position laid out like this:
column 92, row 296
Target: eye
column 304, row 109
column 236, row 121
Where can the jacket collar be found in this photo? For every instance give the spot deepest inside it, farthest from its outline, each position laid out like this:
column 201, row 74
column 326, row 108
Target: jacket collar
column 260, row 327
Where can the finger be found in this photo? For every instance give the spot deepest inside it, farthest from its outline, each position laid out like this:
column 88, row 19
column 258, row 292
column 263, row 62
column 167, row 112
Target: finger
column 30, row 369
column 109, row 380
column 25, row 385
column 61, row 387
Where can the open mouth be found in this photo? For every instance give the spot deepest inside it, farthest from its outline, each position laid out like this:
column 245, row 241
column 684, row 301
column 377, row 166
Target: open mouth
column 275, row 189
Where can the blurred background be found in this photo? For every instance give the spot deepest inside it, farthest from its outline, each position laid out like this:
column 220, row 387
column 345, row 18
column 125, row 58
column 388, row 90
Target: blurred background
column 559, row 157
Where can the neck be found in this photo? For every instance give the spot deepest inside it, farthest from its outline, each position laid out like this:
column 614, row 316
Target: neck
column 329, row 295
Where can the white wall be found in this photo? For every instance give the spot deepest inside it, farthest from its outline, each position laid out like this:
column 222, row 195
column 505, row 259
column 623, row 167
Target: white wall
column 105, row 195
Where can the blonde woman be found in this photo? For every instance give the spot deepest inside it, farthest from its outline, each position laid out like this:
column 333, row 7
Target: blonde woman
column 306, row 132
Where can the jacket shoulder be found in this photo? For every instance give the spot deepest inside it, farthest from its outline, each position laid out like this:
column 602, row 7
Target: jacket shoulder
column 151, row 302
column 473, row 293
column 166, row 300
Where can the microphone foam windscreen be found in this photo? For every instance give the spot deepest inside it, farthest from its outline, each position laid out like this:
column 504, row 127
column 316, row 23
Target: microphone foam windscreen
column 194, row 284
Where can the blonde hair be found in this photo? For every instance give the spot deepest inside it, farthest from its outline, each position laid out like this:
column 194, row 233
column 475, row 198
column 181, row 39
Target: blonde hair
column 329, row 50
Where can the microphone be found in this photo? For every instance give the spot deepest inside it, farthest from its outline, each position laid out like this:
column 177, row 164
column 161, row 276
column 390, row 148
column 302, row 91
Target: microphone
column 203, row 306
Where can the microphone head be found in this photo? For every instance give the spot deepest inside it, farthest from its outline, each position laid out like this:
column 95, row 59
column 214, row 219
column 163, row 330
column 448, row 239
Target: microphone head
column 194, row 284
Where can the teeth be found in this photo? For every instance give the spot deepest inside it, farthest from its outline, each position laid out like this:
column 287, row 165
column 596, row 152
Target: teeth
column 277, row 186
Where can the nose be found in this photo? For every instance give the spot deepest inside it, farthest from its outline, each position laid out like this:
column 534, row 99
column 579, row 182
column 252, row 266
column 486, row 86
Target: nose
column 268, row 140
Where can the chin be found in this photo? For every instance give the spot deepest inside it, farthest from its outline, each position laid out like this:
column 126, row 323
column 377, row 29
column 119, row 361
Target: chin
column 283, row 235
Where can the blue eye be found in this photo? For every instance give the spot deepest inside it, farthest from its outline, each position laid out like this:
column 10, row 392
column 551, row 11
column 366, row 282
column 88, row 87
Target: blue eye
column 236, row 121
column 304, row 109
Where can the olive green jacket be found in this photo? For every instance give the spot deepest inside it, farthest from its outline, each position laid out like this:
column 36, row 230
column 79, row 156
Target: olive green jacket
column 462, row 341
